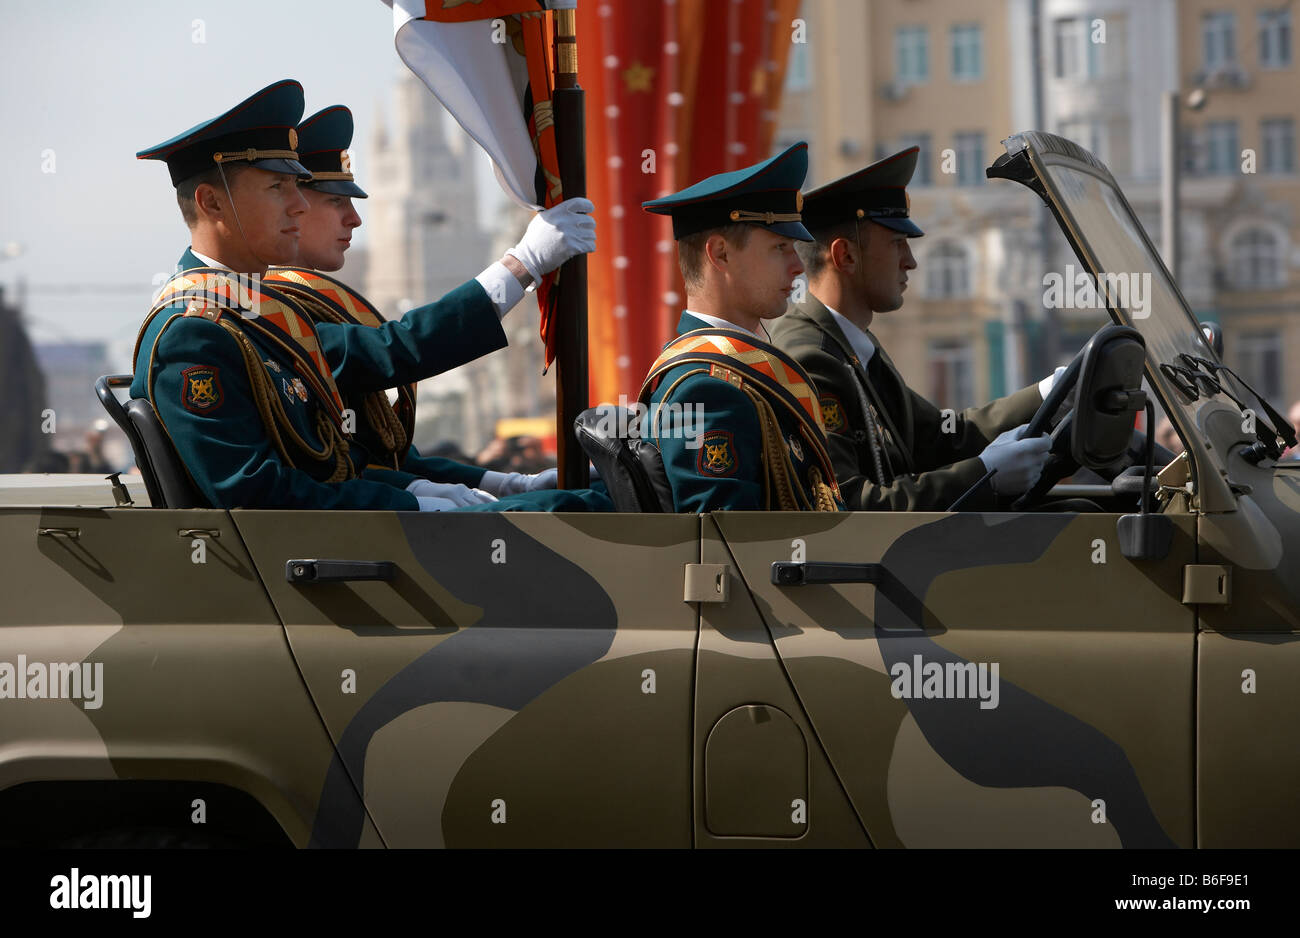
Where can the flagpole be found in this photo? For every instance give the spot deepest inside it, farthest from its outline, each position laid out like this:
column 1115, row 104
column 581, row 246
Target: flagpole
column 571, row 393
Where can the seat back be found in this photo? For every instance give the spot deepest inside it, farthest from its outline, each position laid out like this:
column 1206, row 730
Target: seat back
column 104, row 388
column 165, row 479
column 173, row 481
column 631, row 468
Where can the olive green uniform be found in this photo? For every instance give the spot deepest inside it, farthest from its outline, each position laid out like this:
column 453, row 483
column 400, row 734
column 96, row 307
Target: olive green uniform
column 928, row 461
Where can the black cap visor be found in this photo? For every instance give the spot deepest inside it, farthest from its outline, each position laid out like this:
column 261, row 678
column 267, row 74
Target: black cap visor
column 278, row 165
column 905, row 225
column 337, row 187
column 787, row 229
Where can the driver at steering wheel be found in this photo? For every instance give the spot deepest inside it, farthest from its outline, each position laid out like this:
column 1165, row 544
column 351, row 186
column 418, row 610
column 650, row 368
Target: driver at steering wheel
column 892, row 449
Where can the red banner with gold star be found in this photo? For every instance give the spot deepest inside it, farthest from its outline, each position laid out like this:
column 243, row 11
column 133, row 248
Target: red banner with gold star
column 676, row 91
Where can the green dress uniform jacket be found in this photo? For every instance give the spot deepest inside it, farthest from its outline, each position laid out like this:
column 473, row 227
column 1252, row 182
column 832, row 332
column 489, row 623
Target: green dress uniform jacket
column 930, row 468
column 718, row 462
column 194, row 373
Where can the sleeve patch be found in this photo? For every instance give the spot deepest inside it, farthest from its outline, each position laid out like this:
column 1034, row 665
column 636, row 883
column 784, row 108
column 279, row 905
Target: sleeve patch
column 201, row 389
column 717, row 454
column 833, row 413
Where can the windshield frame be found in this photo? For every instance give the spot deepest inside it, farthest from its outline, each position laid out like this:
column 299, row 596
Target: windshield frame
column 1047, row 152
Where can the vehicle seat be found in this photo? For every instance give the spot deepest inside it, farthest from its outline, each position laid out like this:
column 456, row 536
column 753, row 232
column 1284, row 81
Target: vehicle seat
column 165, row 478
column 631, row 468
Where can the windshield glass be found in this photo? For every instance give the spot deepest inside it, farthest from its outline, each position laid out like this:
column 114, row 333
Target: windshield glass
column 1124, row 264
column 1128, row 269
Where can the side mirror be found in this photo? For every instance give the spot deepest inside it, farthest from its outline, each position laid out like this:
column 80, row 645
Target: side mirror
column 1109, row 395
column 1213, row 333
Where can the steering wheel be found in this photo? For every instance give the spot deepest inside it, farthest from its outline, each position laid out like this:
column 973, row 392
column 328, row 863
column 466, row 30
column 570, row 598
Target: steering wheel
column 1101, row 435
column 1060, row 463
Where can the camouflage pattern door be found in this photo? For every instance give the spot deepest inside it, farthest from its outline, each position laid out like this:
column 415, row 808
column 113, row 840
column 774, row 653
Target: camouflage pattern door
column 521, row 680
column 1013, row 680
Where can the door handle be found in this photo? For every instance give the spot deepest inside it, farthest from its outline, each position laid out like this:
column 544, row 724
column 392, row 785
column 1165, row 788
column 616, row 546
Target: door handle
column 338, row 571
column 785, row 573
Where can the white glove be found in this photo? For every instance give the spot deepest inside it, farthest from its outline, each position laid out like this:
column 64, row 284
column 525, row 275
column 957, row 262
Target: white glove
column 459, row 495
column 1045, row 386
column 435, row 504
column 555, row 235
column 1018, row 462
column 511, row 483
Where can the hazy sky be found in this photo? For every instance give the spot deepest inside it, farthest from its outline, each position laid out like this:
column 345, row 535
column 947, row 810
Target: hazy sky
column 94, row 82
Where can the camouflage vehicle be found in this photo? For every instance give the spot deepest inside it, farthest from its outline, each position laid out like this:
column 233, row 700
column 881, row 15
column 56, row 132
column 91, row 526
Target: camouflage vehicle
column 1123, row 672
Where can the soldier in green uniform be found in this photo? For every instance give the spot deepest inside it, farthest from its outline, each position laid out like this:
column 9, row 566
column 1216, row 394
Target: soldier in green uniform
column 891, row 447
column 249, row 390
column 327, row 227
column 735, row 419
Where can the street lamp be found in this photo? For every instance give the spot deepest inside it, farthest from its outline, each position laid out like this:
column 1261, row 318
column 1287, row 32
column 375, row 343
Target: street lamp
column 1171, row 181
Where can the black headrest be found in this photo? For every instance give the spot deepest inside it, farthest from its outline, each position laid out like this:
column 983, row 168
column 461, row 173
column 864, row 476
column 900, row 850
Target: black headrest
column 652, row 464
column 178, row 490
column 104, row 387
column 631, row 468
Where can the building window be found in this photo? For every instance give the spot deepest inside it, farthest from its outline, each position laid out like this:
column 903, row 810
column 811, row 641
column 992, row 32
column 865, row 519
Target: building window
column 1110, row 59
column 1278, row 134
column 970, row 159
column 1089, row 134
column 967, row 53
column 1091, row 48
column 951, row 374
column 911, row 55
column 1071, row 60
column 797, row 75
column 1259, row 355
column 922, row 176
column 947, row 272
column 1256, row 260
column 1221, row 152
column 1275, row 38
column 1218, row 40
column 1190, row 151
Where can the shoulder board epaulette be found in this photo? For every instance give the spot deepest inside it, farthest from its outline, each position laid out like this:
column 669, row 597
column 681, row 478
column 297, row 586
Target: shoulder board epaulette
column 211, row 291
column 338, row 295
column 739, row 357
column 199, row 308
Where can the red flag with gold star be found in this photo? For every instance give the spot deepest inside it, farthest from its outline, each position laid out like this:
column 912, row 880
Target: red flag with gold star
column 676, row 91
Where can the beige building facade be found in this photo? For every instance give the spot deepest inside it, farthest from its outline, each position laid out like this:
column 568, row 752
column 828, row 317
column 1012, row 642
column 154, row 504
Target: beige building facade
column 1243, row 175
column 956, row 78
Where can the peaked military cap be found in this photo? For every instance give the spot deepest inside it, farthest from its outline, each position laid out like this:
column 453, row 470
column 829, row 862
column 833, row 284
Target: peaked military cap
column 259, row 130
column 323, row 141
column 765, row 194
column 878, row 192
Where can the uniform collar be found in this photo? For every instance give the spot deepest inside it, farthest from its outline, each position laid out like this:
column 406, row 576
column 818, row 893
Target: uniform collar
column 862, row 344
column 716, row 321
column 207, row 261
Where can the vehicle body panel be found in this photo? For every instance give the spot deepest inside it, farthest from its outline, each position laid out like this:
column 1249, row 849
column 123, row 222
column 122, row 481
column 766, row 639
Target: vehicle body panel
column 1096, row 693
column 198, row 682
column 499, row 694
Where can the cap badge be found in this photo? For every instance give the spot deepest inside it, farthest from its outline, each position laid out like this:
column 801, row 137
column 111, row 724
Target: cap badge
column 293, row 139
column 346, row 159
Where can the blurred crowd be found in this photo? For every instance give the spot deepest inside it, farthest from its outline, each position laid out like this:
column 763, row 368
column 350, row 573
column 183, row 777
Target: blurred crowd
column 91, row 458
column 526, row 454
